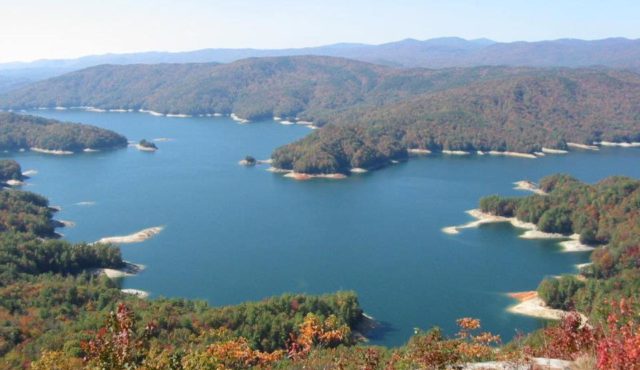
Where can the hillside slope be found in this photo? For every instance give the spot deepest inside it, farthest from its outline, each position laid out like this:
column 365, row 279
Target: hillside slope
column 521, row 113
column 19, row 131
column 307, row 86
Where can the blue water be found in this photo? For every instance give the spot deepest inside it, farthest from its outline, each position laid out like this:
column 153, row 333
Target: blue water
column 235, row 234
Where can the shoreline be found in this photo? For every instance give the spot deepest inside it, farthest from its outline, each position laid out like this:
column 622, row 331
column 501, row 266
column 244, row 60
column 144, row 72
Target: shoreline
column 238, row 119
column 129, row 269
column 51, row 151
column 298, row 176
column 530, row 304
column 529, row 186
column 136, row 237
column 145, row 148
column 582, row 146
column 143, row 294
column 303, row 176
column 513, row 154
column 570, row 244
column 554, row 151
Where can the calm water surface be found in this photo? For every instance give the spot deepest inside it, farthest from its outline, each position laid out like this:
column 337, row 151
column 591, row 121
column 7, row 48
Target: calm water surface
column 235, row 234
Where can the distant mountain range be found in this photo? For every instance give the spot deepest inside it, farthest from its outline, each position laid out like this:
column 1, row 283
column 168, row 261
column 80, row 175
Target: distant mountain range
column 433, row 53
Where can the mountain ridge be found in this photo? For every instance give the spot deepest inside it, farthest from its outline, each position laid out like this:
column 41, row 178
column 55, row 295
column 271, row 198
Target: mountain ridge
column 444, row 52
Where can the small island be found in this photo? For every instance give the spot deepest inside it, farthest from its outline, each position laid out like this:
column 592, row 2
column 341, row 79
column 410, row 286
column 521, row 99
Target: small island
column 146, row 146
column 24, row 132
column 248, row 161
column 10, row 173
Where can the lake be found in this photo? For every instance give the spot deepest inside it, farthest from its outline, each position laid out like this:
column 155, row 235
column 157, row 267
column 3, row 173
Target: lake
column 234, row 234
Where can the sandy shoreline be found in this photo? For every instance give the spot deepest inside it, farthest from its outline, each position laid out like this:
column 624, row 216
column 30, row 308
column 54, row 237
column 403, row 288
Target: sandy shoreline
column 529, row 186
column 455, row 152
column 305, row 176
column 129, row 269
column 14, row 183
column 529, row 304
column 573, row 243
column 582, row 146
column 620, row 144
column 418, row 151
column 136, row 237
column 145, row 148
column 513, row 154
column 48, row 151
column 554, row 151
column 153, row 113
column 136, row 292
column 238, row 119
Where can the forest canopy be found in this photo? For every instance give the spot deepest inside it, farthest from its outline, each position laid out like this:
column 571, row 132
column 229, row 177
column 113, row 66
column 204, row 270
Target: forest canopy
column 19, row 131
column 605, row 215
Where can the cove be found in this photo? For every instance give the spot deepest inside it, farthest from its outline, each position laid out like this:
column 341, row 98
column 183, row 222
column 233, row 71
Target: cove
column 234, row 234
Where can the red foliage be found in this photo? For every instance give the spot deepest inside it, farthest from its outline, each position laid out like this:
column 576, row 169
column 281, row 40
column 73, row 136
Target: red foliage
column 620, row 346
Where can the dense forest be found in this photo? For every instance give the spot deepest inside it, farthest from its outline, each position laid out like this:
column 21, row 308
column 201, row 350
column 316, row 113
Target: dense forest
column 606, row 215
column 18, row 131
column 56, row 313
column 310, row 88
column 521, row 113
column 10, row 170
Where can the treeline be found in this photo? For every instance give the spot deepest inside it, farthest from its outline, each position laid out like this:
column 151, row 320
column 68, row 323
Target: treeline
column 521, row 113
column 311, row 88
column 18, row 131
column 606, row 215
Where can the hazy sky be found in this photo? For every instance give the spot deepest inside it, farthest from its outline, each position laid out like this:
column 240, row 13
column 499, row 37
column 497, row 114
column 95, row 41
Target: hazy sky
column 34, row 29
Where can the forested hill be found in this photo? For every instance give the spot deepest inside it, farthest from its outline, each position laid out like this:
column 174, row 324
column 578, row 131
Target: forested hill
column 606, row 215
column 376, row 112
column 18, row 131
column 518, row 113
column 307, row 87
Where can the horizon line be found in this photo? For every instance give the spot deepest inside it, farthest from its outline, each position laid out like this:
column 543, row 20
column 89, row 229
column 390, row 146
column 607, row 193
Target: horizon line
column 45, row 59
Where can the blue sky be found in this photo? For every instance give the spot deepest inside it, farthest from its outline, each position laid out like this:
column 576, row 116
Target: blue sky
column 34, row 29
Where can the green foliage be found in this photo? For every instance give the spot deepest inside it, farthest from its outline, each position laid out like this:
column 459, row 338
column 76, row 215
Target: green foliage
column 305, row 87
column 559, row 293
column 499, row 206
column 556, row 220
column 19, row 131
column 10, row 170
column 520, row 111
column 605, row 214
